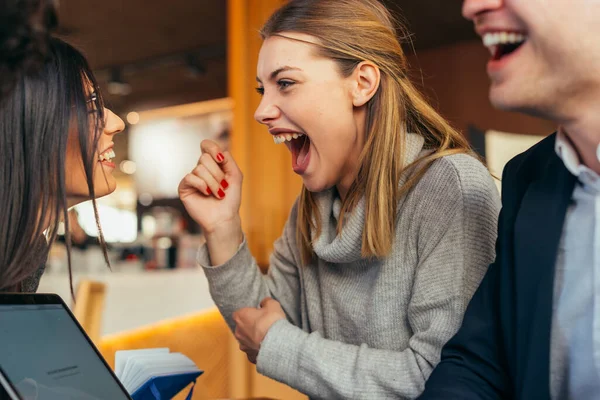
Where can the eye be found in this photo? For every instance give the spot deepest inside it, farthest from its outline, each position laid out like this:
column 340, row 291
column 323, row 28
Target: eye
column 260, row 90
column 284, row 84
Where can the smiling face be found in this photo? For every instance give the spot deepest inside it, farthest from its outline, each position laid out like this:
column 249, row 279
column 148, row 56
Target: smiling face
column 545, row 53
column 75, row 176
column 309, row 106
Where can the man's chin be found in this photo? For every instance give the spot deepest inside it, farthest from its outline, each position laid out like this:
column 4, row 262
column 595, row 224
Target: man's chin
column 500, row 99
column 506, row 100
column 509, row 99
column 516, row 105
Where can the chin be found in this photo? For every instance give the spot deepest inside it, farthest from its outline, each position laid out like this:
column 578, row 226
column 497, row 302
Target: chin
column 518, row 96
column 500, row 99
column 314, row 186
column 505, row 101
column 106, row 191
column 519, row 104
column 105, row 187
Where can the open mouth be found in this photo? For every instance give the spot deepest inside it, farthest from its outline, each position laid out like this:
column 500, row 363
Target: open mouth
column 502, row 44
column 299, row 145
column 106, row 157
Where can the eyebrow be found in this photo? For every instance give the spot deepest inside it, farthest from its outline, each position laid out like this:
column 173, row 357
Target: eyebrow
column 274, row 74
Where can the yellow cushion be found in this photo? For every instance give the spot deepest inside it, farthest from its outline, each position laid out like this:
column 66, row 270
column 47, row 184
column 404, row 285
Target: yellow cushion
column 203, row 337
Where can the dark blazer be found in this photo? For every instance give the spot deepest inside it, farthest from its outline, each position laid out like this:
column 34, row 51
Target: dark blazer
column 502, row 350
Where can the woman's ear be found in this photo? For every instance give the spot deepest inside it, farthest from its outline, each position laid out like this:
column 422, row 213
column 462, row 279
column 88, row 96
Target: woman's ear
column 366, row 78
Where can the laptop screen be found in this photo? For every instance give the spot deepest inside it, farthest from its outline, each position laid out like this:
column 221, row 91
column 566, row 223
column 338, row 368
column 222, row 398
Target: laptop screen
column 45, row 355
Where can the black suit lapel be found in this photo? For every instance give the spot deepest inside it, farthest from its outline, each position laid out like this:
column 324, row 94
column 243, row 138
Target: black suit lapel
column 538, row 229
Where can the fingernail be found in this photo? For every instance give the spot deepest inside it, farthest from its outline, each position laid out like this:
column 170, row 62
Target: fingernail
column 221, row 193
column 224, row 184
column 208, row 191
column 220, row 157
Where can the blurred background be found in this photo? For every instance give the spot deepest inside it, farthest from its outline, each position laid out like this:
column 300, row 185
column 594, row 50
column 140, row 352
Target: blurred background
column 181, row 71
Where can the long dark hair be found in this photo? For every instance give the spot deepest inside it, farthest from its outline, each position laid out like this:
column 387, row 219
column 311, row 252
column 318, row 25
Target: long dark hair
column 24, row 34
column 35, row 120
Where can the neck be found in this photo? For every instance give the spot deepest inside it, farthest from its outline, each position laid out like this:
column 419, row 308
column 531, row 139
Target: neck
column 584, row 132
column 343, row 189
column 343, row 186
column 351, row 168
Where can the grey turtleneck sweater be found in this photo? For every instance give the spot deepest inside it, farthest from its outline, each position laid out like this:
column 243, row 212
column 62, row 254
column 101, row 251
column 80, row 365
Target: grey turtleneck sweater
column 363, row 328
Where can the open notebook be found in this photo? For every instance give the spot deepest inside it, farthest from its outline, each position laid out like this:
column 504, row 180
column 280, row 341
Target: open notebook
column 151, row 374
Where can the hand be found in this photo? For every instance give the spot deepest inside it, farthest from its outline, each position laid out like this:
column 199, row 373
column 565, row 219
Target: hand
column 212, row 192
column 252, row 325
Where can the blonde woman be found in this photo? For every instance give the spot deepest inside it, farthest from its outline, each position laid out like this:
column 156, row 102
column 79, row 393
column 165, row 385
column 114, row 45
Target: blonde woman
column 391, row 234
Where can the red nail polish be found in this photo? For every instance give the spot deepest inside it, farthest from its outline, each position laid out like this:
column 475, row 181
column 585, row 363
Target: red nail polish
column 220, row 157
column 224, row 184
column 208, row 191
column 221, row 193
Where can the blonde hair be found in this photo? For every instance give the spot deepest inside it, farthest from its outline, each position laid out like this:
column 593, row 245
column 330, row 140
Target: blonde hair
column 349, row 32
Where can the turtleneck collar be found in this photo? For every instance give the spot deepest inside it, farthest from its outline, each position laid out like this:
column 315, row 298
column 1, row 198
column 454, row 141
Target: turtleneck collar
column 346, row 247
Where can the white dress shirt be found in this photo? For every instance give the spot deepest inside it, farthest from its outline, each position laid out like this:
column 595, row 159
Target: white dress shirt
column 575, row 369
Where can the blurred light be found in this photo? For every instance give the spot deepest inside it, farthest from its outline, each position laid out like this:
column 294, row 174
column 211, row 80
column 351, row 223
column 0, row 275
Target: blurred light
column 127, row 198
column 117, row 225
column 148, row 226
column 164, row 243
column 133, row 118
column 119, row 88
column 160, row 176
column 146, row 199
column 117, row 85
column 128, row 167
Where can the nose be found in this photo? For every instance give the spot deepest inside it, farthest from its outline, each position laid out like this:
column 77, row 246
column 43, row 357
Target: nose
column 113, row 124
column 266, row 111
column 472, row 8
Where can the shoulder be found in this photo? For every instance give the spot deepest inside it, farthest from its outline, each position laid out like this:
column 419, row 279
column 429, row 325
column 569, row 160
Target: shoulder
column 456, row 195
column 525, row 168
column 532, row 162
column 456, row 190
column 458, row 178
column 32, row 282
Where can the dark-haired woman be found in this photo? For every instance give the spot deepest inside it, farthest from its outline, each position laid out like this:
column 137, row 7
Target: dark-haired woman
column 56, row 150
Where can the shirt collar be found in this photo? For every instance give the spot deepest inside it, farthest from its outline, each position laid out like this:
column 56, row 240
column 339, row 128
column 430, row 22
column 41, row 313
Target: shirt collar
column 568, row 154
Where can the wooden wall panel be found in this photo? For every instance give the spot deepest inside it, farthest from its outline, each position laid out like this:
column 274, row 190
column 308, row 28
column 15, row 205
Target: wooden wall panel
column 270, row 185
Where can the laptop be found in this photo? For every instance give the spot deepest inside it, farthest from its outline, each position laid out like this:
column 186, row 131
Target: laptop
column 46, row 355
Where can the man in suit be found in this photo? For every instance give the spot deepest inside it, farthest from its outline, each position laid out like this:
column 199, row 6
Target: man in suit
column 532, row 329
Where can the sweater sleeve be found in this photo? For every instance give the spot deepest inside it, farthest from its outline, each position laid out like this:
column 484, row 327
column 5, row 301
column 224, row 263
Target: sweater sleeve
column 239, row 283
column 455, row 221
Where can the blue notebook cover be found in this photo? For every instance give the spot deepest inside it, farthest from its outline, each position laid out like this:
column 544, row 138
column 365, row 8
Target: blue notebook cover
column 165, row 387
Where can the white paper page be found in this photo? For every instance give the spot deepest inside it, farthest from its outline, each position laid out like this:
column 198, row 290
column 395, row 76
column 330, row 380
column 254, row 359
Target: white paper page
column 158, row 365
column 135, row 364
column 123, row 364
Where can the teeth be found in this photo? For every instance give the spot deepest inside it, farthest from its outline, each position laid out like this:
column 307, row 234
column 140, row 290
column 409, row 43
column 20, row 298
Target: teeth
column 496, row 38
column 107, row 155
column 286, row 137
